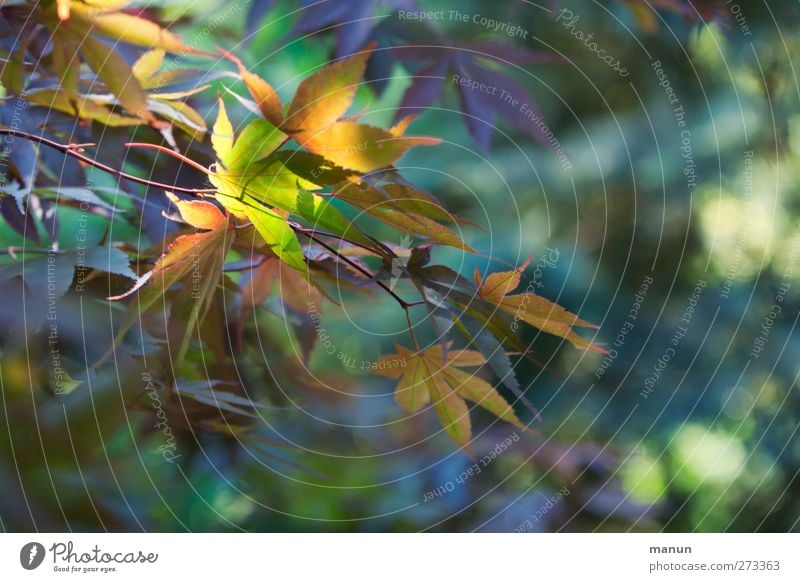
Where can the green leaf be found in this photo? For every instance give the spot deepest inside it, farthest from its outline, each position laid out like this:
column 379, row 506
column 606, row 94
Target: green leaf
column 274, row 229
column 256, row 141
column 271, row 182
column 12, row 73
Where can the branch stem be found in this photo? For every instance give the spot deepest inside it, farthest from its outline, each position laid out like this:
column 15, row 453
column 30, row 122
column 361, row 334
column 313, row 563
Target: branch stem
column 74, row 151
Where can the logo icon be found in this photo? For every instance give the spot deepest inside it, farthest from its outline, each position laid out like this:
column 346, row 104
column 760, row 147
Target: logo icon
column 31, row 555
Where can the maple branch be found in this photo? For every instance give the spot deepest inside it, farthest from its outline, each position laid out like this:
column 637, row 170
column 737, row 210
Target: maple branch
column 403, row 303
column 74, row 150
column 307, row 231
column 173, row 153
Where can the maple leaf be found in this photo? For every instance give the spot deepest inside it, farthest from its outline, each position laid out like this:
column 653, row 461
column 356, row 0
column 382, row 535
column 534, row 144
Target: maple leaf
column 192, row 260
column 266, row 98
column 533, row 309
column 314, row 120
column 433, row 376
column 78, row 25
column 258, row 183
column 401, row 208
column 89, row 32
column 254, row 185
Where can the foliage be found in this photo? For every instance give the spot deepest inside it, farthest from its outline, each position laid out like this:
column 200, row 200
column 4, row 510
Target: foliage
column 218, row 218
column 273, row 201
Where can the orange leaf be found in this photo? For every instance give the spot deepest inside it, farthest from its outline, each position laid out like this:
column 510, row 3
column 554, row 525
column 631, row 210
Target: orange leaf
column 360, row 147
column 266, row 98
column 325, row 96
column 424, row 378
column 199, row 213
column 533, row 309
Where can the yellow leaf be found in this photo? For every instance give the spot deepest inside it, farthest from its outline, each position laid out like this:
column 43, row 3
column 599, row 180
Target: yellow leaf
column 452, row 411
column 498, row 285
column 222, row 133
column 366, row 198
column 426, row 377
column 325, row 96
column 360, row 147
column 199, row 213
column 148, row 64
column 533, row 309
column 80, row 107
column 266, row 98
column 117, row 76
column 120, row 26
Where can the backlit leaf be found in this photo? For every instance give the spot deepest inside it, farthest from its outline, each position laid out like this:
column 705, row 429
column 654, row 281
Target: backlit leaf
column 533, row 309
column 222, row 133
column 264, row 95
column 434, row 376
column 360, row 147
column 325, row 96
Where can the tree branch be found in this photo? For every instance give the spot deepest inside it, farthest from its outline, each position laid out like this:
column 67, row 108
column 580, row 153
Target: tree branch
column 74, row 151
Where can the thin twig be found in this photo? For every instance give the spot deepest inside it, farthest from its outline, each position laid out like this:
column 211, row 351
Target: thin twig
column 411, row 329
column 72, row 150
column 353, row 264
